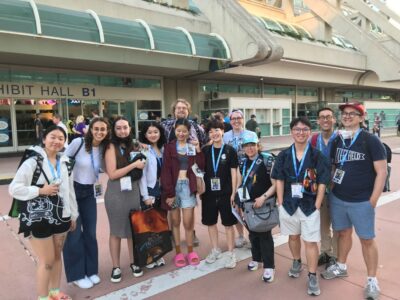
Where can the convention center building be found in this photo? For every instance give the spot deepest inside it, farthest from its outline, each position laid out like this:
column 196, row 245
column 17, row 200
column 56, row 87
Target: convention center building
column 273, row 58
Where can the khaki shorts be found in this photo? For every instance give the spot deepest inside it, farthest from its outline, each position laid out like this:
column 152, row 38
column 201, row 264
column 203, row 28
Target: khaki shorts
column 308, row 227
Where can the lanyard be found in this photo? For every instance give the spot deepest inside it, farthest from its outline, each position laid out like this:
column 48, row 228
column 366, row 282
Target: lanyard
column 215, row 164
column 248, row 172
column 159, row 159
column 96, row 169
column 303, row 158
column 53, row 173
column 344, row 157
column 321, row 144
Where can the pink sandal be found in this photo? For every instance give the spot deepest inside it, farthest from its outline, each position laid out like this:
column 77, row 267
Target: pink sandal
column 193, row 258
column 179, row 260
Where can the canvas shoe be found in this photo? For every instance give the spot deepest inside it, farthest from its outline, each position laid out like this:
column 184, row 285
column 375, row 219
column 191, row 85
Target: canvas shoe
column 136, row 270
column 158, row 263
column 213, row 255
column 83, row 283
column 116, row 275
column 95, row 279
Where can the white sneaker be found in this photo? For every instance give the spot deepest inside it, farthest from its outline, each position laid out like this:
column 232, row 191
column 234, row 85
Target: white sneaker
column 230, row 262
column 158, row 263
column 213, row 255
column 95, row 279
column 269, row 275
column 84, row 283
column 240, row 241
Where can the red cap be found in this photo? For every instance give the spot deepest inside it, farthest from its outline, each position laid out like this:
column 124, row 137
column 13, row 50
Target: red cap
column 356, row 105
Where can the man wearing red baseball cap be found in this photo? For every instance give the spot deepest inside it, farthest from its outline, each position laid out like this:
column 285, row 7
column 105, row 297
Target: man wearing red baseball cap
column 359, row 161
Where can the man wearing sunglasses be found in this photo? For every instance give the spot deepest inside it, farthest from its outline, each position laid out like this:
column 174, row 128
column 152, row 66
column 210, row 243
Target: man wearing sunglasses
column 359, row 174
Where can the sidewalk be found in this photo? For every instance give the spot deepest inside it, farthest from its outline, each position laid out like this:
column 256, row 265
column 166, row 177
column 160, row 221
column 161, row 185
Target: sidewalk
column 204, row 282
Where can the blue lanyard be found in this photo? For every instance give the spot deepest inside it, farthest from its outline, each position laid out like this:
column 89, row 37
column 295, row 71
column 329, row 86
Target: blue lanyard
column 321, row 144
column 344, row 157
column 53, row 173
column 159, row 161
column 215, row 164
column 248, row 172
column 96, row 169
column 303, row 158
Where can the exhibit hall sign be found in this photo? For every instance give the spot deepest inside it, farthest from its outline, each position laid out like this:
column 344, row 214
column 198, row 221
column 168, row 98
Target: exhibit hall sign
column 32, row 90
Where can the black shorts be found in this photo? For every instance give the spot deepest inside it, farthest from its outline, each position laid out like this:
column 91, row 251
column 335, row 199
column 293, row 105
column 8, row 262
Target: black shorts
column 43, row 230
column 211, row 205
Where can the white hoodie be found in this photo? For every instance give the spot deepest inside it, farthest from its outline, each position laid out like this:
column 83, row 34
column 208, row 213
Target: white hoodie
column 21, row 188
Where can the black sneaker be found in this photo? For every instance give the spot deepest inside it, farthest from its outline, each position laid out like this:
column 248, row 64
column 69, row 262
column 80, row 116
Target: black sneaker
column 116, row 275
column 136, row 270
column 323, row 259
column 331, row 262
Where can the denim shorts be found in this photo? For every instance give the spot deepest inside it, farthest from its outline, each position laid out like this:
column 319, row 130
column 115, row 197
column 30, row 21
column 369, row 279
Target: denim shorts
column 345, row 215
column 183, row 197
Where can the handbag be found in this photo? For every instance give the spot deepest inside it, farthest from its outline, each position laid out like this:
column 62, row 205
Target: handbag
column 151, row 235
column 261, row 219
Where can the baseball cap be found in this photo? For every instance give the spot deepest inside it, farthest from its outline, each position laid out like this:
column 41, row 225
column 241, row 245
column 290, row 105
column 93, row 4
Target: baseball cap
column 356, row 105
column 250, row 137
column 252, row 116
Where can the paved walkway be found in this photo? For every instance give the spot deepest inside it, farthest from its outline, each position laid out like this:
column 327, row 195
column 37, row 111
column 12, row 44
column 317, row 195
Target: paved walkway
column 207, row 282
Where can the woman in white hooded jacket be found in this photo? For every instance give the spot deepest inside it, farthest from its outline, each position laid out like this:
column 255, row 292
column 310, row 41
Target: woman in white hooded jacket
column 48, row 209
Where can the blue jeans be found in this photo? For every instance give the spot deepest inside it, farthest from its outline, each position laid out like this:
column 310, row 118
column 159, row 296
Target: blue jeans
column 80, row 249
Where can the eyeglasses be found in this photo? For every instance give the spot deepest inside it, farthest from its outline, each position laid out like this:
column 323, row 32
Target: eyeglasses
column 350, row 114
column 236, row 119
column 298, row 130
column 326, row 118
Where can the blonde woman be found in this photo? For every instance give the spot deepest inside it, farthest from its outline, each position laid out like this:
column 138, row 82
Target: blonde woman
column 80, row 127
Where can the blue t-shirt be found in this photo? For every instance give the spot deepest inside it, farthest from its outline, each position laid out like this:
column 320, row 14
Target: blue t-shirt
column 284, row 170
column 359, row 177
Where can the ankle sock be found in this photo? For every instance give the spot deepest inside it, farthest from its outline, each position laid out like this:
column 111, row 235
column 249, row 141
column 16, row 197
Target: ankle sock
column 342, row 266
column 374, row 279
column 54, row 292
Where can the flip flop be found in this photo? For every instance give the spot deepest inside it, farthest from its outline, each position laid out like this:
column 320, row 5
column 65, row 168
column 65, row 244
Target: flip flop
column 193, row 258
column 60, row 296
column 179, row 260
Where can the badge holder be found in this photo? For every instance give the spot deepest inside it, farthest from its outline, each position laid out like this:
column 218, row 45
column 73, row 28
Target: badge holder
column 191, row 150
column 338, row 176
column 297, row 190
column 126, row 184
column 215, row 184
column 98, row 189
column 243, row 194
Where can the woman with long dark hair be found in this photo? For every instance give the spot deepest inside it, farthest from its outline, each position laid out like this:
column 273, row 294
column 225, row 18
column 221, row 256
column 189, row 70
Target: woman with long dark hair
column 122, row 192
column 152, row 135
column 47, row 209
column 80, row 252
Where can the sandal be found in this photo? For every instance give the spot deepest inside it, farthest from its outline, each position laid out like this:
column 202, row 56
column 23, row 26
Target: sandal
column 60, row 296
column 179, row 260
column 193, row 258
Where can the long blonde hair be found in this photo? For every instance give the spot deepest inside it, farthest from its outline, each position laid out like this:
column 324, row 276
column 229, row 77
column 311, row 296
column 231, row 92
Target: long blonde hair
column 79, row 119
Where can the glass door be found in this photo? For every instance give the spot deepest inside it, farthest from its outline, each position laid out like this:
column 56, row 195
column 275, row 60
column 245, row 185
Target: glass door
column 6, row 139
column 25, row 111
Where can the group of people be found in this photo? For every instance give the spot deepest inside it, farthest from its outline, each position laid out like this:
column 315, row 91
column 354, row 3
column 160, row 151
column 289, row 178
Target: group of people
column 61, row 213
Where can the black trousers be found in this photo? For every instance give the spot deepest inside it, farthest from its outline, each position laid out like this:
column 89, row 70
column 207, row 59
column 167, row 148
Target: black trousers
column 262, row 248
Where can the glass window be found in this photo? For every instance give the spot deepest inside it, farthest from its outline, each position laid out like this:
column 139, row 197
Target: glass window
column 25, row 110
column 17, row 16
column 20, row 76
column 272, row 25
column 170, row 40
column 146, row 83
column 125, row 33
column 208, row 87
column 68, row 24
column 208, row 46
column 249, row 89
column 76, row 78
column 152, row 105
column 269, row 90
column 284, row 91
column 228, row 88
column 5, row 123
